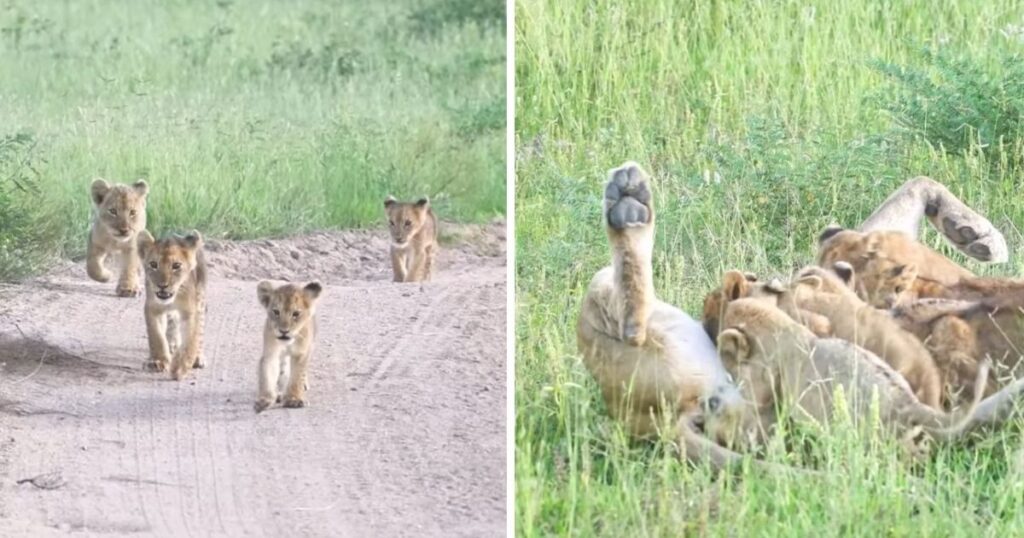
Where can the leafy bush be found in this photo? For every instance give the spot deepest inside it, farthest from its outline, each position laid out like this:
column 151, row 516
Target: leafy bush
column 26, row 236
column 960, row 104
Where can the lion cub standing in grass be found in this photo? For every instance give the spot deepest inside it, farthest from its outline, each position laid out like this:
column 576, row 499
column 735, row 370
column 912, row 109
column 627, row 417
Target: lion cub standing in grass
column 175, row 301
column 287, row 342
column 120, row 216
column 414, row 238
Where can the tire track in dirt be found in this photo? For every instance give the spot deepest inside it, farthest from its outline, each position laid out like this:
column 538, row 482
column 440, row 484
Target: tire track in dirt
column 400, row 439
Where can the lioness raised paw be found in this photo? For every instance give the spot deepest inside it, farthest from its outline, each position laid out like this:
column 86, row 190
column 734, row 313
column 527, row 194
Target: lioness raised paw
column 962, row 230
column 628, row 197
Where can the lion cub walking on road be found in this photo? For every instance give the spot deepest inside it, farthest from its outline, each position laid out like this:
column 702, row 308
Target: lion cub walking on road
column 175, row 301
column 413, row 238
column 120, row 216
column 287, row 342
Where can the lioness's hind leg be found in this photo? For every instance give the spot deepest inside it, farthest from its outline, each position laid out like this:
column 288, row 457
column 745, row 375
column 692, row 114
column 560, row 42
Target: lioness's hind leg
column 628, row 198
column 629, row 217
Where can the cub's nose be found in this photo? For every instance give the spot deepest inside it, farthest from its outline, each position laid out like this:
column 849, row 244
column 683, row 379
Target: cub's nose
column 283, row 335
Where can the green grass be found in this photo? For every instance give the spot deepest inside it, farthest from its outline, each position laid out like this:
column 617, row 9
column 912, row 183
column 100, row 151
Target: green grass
column 249, row 118
column 762, row 123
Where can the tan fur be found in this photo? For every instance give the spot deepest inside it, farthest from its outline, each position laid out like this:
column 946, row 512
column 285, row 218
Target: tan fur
column 288, row 337
column 655, row 365
column 737, row 285
column 119, row 216
column 894, row 283
column 858, row 248
column 782, row 365
column 175, row 301
column 413, row 229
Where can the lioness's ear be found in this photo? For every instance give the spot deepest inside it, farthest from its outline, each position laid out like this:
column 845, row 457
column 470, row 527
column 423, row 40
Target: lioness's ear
column 141, row 187
column 829, row 231
column 143, row 242
column 193, row 240
column 389, row 201
column 423, row 202
column 263, row 291
column 844, row 271
column 814, row 281
column 734, row 285
column 312, row 290
column 99, row 191
column 733, row 347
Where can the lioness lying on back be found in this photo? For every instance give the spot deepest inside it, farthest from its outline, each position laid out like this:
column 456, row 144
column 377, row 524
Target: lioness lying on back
column 120, row 214
column 287, row 342
column 175, row 301
column 413, row 229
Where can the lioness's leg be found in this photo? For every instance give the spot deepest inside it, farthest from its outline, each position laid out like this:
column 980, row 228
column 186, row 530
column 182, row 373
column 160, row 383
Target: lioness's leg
column 629, row 220
column 969, row 231
column 398, row 265
column 159, row 353
column 181, row 362
column 269, row 371
column 295, row 396
column 128, row 284
column 94, row 262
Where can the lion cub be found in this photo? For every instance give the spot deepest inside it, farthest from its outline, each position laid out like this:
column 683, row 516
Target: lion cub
column 287, row 342
column 175, row 301
column 414, row 238
column 120, row 216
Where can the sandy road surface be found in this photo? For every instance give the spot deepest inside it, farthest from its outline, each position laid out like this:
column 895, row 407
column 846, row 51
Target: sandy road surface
column 404, row 436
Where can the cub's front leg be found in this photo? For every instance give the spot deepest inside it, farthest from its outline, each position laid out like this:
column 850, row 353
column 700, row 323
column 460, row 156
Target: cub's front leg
column 128, row 284
column 159, row 352
column 295, row 396
column 186, row 355
column 398, row 265
column 95, row 255
column 269, row 370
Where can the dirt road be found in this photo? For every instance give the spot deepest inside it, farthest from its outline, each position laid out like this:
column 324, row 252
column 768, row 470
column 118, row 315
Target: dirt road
column 404, row 435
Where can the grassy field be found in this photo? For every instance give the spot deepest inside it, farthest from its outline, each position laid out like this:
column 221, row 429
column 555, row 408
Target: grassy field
column 762, row 122
column 247, row 118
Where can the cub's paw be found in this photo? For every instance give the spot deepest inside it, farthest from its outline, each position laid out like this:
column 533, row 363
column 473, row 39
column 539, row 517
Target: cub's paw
column 294, row 403
column 627, row 197
column 179, row 373
column 154, row 366
column 261, row 405
column 278, row 399
column 101, row 276
column 199, row 362
column 128, row 291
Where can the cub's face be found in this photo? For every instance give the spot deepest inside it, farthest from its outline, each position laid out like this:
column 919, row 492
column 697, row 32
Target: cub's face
column 168, row 263
column 289, row 307
column 735, row 285
column 121, row 208
column 405, row 218
column 887, row 283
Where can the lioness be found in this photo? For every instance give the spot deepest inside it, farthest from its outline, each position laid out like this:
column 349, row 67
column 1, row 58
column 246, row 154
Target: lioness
column 175, row 301
column 413, row 238
column 120, row 214
column 655, row 364
column 288, row 337
column 781, row 365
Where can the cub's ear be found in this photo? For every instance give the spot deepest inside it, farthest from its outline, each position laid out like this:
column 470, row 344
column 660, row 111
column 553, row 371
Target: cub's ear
column 263, row 291
column 99, row 191
column 390, row 201
column 751, row 277
column 844, row 271
column 193, row 240
column 828, row 232
column 313, row 290
column 814, row 281
column 144, row 242
column 733, row 347
column 423, row 202
column 735, row 285
column 141, row 187
column 775, row 286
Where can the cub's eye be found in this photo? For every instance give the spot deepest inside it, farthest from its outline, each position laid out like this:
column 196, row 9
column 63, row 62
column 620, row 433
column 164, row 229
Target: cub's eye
column 176, row 266
column 899, row 289
column 277, row 312
column 132, row 212
column 152, row 265
column 408, row 223
column 112, row 211
column 295, row 315
column 392, row 222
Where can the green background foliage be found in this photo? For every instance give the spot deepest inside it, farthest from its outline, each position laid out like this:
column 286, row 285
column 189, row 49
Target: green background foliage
column 761, row 122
